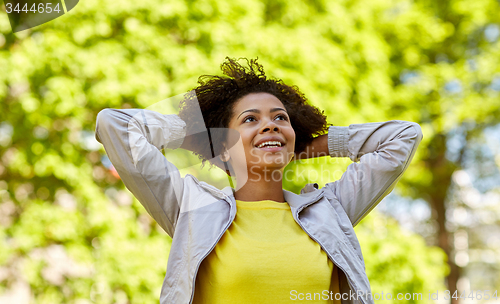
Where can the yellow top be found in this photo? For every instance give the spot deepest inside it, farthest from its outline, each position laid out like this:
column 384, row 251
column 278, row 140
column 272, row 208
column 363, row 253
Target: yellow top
column 265, row 257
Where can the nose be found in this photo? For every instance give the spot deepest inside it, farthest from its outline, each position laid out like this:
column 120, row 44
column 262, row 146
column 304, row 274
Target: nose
column 270, row 125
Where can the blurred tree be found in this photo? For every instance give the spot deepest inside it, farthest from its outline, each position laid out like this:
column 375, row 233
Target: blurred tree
column 399, row 262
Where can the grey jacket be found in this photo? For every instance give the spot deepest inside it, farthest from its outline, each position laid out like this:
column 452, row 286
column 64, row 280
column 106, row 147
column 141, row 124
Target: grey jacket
column 196, row 214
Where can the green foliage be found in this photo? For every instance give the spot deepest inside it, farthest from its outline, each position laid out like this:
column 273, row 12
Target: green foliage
column 360, row 61
column 398, row 261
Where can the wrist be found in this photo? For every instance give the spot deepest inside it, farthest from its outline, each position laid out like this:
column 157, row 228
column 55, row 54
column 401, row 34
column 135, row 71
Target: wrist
column 338, row 141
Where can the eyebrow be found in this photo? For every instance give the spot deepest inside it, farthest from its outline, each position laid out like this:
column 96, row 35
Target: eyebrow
column 258, row 111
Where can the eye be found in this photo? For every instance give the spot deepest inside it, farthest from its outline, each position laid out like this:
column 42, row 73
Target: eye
column 283, row 116
column 248, row 117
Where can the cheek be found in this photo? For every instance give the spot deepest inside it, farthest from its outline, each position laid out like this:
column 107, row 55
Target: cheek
column 291, row 136
column 246, row 146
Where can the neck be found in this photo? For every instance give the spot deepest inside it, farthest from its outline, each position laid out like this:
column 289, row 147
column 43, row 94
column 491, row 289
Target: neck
column 265, row 185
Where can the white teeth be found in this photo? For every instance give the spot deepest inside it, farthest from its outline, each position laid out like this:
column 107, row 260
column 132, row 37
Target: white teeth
column 270, row 143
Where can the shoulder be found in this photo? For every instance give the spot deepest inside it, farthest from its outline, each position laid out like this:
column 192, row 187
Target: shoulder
column 199, row 194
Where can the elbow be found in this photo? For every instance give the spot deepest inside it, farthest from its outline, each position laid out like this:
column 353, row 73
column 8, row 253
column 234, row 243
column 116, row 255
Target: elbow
column 104, row 116
column 411, row 133
column 110, row 118
column 102, row 120
column 414, row 136
column 417, row 131
column 113, row 121
column 108, row 121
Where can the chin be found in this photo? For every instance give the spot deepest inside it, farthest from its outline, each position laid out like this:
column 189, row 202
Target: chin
column 270, row 166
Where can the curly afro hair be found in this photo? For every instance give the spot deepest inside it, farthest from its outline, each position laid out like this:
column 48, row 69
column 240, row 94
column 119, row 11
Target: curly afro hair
column 217, row 95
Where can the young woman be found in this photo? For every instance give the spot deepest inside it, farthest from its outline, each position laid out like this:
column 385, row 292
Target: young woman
column 257, row 242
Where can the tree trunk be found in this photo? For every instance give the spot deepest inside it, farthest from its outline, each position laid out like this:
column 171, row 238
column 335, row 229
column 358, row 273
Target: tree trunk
column 442, row 170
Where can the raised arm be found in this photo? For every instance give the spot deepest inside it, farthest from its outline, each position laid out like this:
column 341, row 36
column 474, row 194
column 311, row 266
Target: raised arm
column 133, row 140
column 384, row 151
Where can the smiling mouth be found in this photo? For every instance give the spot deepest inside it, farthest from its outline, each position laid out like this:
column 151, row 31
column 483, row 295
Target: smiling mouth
column 270, row 144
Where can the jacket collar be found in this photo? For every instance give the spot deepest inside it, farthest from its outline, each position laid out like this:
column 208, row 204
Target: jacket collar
column 294, row 200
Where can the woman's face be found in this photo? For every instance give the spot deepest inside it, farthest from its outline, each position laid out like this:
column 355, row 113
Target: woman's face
column 267, row 139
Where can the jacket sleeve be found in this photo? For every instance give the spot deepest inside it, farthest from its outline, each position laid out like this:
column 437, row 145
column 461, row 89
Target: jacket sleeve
column 381, row 152
column 133, row 140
